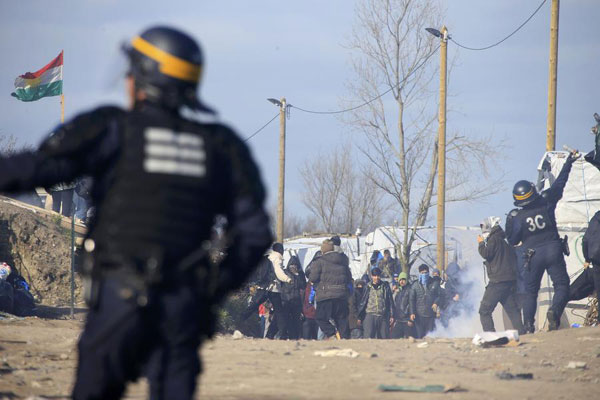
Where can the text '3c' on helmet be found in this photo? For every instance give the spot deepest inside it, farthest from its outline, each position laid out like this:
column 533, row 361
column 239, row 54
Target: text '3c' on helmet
column 524, row 192
column 167, row 64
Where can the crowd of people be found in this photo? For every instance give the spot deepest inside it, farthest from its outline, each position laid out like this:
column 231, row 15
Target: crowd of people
column 322, row 301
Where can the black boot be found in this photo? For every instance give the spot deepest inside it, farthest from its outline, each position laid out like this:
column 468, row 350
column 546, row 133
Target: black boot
column 552, row 320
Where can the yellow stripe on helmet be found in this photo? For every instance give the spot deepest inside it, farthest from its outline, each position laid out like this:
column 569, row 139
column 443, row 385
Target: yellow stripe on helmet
column 168, row 64
column 525, row 196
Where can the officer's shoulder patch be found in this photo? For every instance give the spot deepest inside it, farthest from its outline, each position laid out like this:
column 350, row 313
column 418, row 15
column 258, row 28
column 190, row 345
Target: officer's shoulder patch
column 513, row 212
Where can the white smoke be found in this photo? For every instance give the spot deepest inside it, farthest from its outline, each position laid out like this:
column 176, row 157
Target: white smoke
column 466, row 323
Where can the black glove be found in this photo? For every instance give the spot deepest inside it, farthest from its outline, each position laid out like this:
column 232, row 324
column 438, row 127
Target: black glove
column 574, row 155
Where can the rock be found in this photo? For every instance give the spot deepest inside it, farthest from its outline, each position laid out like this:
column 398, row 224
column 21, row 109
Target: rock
column 576, row 365
column 290, row 371
column 36, row 384
column 423, row 345
column 411, row 339
column 373, row 355
column 287, row 353
column 64, row 356
column 337, row 353
column 545, row 363
column 237, row 335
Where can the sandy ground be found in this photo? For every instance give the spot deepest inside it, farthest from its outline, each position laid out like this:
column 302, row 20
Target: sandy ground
column 38, row 356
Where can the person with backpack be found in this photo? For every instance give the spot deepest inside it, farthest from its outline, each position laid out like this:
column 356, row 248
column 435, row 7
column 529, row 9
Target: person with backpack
column 591, row 252
column 266, row 285
column 291, row 298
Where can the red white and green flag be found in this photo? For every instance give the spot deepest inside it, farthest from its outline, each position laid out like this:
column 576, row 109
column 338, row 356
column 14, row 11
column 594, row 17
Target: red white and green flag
column 46, row 82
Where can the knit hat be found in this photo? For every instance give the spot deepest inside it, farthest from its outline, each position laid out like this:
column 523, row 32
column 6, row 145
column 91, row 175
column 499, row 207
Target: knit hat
column 403, row 275
column 376, row 271
column 278, row 247
column 434, row 270
column 326, row 246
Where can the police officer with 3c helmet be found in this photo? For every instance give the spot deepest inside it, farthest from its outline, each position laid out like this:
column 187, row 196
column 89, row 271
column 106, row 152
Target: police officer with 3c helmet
column 534, row 225
column 159, row 181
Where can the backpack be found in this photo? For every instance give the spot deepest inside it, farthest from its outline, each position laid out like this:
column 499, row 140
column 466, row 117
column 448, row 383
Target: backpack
column 23, row 301
column 591, row 239
column 6, row 297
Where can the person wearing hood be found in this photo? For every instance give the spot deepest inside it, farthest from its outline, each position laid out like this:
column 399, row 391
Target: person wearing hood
column 533, row 223
column 403, row 326
column 291, row 298
column 501, row 266
column 389, row 267
column 356, row 330
column 266, row 285
column 376, row 309
column 331, row 277
column 423, row 302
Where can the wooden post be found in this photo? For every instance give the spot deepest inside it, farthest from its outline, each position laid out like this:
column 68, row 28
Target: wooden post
column 441, row 192
column 281, row 194
column 552, row 77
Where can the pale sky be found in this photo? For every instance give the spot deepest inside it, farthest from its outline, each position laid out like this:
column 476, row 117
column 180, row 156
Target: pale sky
column 260, row 49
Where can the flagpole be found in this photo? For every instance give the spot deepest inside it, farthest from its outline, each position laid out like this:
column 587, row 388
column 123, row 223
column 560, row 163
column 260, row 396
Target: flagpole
column 62, row 108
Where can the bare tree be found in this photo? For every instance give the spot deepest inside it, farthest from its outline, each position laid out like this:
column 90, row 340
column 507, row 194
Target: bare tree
column 340, row 196
column 394, row 53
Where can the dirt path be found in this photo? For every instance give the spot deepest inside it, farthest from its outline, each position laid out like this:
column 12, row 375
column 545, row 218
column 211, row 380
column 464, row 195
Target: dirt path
column 38, row 356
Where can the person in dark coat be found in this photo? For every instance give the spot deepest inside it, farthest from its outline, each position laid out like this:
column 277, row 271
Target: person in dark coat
column 160, row 180
column 533, row 224
column 389, row 266
column 423, row 302
column 376, row 308
column 291, row 299
column 591, row 252
column 356, row 329
column 501, row 266
column 403, row 327
column 331, row 277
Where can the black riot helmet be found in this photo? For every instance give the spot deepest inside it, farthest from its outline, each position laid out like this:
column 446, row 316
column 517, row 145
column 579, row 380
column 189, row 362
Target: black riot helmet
column 524, row 193
column 167, row 64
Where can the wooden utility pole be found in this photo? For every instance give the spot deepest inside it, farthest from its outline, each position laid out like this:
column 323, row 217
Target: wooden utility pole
column 280, row 197
column 441, row 192
column 551, row 121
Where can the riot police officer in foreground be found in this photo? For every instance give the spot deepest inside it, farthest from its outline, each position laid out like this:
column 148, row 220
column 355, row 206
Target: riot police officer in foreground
column 534, row 225
column 159, row 182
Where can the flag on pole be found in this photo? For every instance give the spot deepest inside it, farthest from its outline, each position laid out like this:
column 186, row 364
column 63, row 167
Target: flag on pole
column 46, row 82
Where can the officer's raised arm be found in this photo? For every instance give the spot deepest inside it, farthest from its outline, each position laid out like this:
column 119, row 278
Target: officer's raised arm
column 555, row 192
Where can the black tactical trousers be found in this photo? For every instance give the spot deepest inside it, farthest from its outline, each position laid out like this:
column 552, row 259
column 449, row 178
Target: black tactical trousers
column 548, row 257
column 503, row 293
column 292, row 310
column 122, row 341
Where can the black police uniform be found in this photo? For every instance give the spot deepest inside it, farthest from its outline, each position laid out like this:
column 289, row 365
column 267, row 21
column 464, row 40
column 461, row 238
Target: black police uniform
column 535, row 226
column 159, row 182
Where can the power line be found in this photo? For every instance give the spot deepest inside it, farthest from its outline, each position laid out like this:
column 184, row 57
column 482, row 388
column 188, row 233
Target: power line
column 261, row 128
column 375, row 98
column 511, row 34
